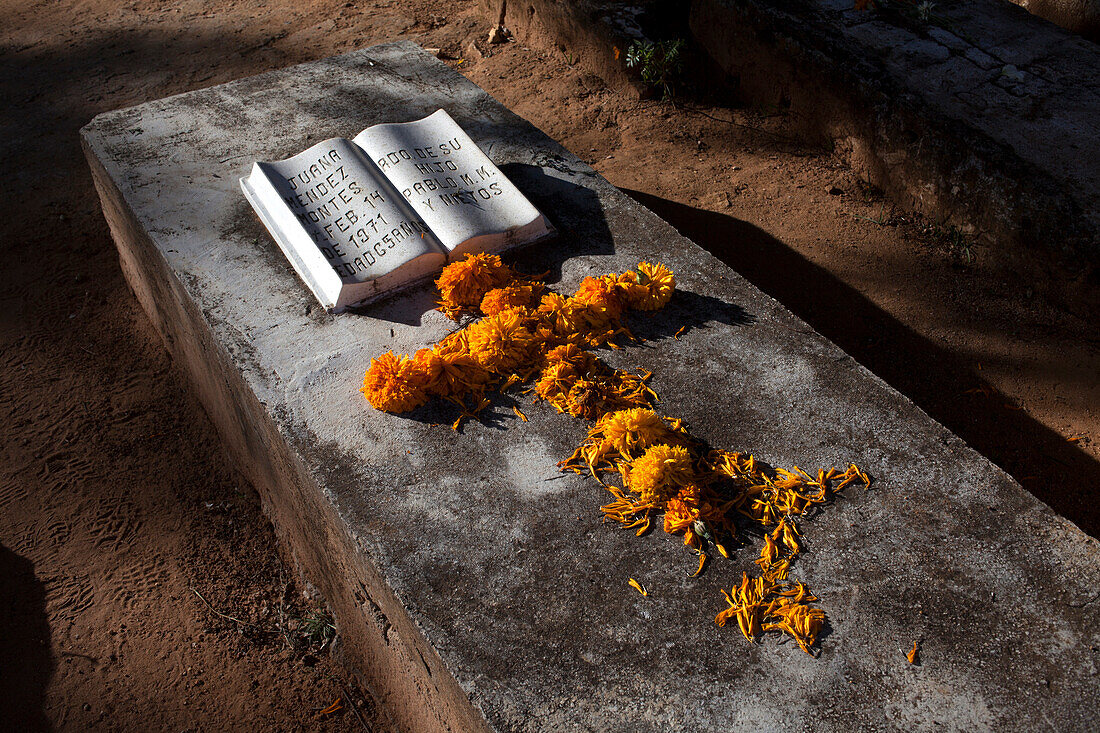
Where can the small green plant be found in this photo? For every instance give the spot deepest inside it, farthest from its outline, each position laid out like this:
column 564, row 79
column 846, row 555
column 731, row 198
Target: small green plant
column 318, row 629
column 948, row 237
column 659, row 63
column 924, row 10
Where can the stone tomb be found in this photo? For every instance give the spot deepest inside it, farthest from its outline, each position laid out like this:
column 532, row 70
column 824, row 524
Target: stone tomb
column 473, row 584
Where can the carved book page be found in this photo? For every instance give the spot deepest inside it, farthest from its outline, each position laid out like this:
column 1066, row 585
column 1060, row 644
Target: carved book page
column 454, row 187
column 348, row 233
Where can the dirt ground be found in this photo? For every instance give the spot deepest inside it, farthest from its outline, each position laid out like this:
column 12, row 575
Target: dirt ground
column 142, row 588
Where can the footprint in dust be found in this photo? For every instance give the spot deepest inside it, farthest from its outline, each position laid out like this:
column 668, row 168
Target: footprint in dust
column 66, row 470
column 130, row 397
column 58, row 531
column 115, row 525
column 42, row 540
column 29, row 542
column 67, row 596
column 12, row 493
column 129, row 586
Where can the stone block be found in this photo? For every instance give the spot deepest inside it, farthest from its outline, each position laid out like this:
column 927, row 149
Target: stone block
column 473, row 584
column 982, row 59
column 947, row 38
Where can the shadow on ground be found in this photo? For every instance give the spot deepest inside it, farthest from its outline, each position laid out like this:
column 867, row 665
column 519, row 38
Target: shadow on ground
column 938, row 381
column 25, row 660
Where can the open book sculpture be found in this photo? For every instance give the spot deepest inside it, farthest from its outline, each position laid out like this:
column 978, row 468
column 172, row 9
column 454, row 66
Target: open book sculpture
column 359, row 218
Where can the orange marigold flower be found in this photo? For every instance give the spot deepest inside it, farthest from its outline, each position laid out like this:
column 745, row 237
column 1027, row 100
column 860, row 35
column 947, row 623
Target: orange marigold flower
column 678, row 516
column 551, row 303
column 695, row 504
column 429, row 363
column 557, row 323
column 601, row 293
column 512, row 296
column 501, row 342
column 452, row 372
column 588, row 323
column 660, row 472
column 582, row 361
column 656, row 283
column 463, row 284
column 630, row 291
column 584, row 399
column 568, row 319
column 454, row 344
column 627, row 432
column 555, row 381
column 395, row 383
column 621, row 436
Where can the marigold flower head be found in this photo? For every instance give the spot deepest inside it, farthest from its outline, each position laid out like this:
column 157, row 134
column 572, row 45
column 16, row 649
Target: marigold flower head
column 656, row 283
column 551, row 303
column 628, row 432
column 695, row 503
column 452, row 372
column 395, row 383
column 582, row 361
column 464, row 283
column 564, row 317
column 555, row 381
column 679, row 516
column 454, row 344
column 660, row 472
column 511, row 296
column 584, row 399
column 586, row 323
column 501, row 342
column 601, row 293
column 429, row 364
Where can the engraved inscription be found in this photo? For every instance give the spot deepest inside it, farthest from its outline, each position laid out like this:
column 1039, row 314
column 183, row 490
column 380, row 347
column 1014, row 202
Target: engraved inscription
column 352, row 219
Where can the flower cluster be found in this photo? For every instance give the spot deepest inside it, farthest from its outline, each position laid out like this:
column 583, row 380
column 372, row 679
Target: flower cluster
column 664, row 470
column 525, row 333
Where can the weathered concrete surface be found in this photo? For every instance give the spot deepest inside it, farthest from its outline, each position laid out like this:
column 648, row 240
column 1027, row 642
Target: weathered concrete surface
column 984, row 115
column 473, row 584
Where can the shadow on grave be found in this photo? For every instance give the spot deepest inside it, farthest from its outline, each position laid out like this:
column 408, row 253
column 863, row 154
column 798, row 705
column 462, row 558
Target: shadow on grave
column 1054, row 470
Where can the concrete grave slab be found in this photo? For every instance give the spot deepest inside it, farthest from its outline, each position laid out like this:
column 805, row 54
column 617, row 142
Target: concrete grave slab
column 474, row 585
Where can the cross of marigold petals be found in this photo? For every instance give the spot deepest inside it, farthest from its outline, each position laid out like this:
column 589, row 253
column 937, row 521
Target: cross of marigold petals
column 529, row 335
